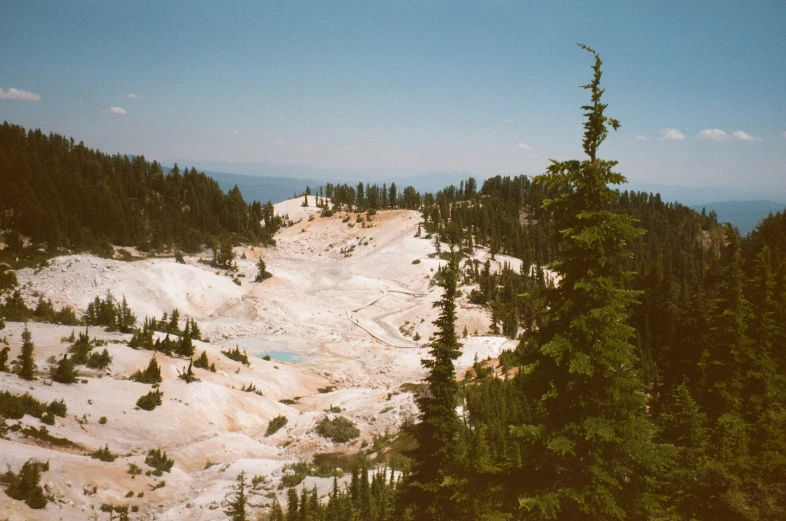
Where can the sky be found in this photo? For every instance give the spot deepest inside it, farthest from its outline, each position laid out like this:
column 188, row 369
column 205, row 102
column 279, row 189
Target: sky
column 480, row 87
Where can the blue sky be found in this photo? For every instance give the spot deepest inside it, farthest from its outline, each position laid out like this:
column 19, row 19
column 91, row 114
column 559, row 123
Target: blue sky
column 486, row 88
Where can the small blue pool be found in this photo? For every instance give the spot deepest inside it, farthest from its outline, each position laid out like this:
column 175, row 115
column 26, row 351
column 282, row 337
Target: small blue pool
column 284, row 356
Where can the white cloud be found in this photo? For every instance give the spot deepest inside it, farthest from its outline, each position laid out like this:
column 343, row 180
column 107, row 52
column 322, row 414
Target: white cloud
column 744, row 136
column 19, row 94
column 118, row 110
column 235, row 132
column 640, row 138
column 135, row 96
column 523, row 146
column 714, row 134
column 508, row 121
column 671, row 134
column 717, row 134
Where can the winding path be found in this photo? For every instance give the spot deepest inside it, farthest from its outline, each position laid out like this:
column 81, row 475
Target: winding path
column 385, row 293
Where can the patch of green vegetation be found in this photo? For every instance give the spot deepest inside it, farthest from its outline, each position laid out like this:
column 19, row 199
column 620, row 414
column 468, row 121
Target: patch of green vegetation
column 251, row 388
column 237, row 356
column 151, row 375
column 294, row 474
column 25, row 486
column 159, row 461
column 14, row 407
column 275, row 425
column 104, row 454
column 338, row 429
column 151, row 400
column 43, row 435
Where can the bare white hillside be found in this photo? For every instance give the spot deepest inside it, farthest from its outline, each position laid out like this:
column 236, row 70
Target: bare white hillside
column 345, row 305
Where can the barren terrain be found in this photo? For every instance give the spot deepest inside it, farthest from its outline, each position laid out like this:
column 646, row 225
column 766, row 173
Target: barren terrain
column 340, row 318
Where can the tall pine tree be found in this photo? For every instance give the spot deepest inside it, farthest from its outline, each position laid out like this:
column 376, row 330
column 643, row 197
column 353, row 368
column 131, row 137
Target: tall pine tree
column 430, row 486
column 26, row 359
column 588, row 451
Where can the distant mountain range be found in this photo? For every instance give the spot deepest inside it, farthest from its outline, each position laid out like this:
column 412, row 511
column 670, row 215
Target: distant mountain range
column 270, row 182
column 267, row 181
column 745, row 215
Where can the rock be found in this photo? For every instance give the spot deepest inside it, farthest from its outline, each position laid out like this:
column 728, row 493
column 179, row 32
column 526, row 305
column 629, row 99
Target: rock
column 213, row 505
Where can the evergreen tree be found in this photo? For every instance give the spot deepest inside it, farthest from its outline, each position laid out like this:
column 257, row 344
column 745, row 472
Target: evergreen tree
column 187, row 375
column 4, row 352
column 276, row 513
column 173, row 326
column 25, row 486
column 26, row 362
column 151, row 375
column 185, row 347
column 292, row 505
column 203, row 363
column 65, row 372
column 685, row 426
column 236, row 508
column 428, row 487
column 725, row 359
column 262, row 273
column 588, row 449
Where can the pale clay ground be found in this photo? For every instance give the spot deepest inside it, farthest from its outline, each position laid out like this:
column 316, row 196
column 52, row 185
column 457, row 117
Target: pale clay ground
column 305, row 308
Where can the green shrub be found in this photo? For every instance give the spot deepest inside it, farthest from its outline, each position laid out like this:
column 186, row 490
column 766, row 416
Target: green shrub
column 150, row 401
column 203, row 363
column 99, row 361
column 151, row 375
column 58, row 408
column 188, row 375
column 275, row 425
column 294, row 474
column 25, row 486
column 64, row 372
column 237, row 356
column 251, row 388
column 103, row 454
column 339, row 429
column 14, row 407
column 159, row 461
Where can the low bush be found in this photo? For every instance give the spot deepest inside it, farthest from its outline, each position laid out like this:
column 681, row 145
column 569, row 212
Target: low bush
column 338, row 430
column 158, row 459
column 104, row 454
column 275, row 425
column 150, row 401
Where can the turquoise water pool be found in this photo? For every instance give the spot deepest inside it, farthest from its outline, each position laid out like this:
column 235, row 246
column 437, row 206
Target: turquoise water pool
column 284, row 356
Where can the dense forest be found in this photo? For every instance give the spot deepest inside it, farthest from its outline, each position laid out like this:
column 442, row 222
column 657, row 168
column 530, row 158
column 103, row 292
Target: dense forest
column 64, row 194
column 648, row 383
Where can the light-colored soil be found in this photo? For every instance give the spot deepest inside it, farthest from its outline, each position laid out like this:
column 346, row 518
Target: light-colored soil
column 323, row 269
